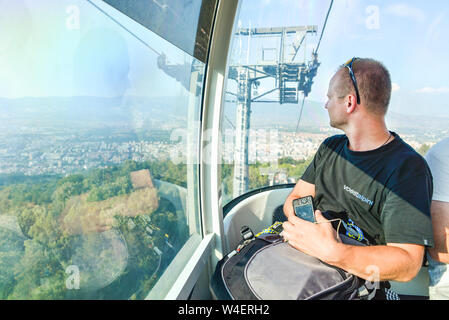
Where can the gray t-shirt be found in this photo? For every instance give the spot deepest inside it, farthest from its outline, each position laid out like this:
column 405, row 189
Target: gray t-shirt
column 386, row 192
column 438, row 159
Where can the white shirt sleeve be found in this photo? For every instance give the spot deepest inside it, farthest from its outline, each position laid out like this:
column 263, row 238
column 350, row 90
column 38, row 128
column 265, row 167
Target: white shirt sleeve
column 438, row 160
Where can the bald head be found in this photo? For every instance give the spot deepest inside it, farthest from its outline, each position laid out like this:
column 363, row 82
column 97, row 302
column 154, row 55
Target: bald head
column 373, row 81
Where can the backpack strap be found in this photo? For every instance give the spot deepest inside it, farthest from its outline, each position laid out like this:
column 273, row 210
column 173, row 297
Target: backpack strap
column 247, row 237
column 247, row 233
column 345, row 226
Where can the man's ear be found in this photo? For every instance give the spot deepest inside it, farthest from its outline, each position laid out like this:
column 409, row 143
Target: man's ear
column 351, row 103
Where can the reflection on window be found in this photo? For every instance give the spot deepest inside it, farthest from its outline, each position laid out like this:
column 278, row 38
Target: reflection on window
column 172, row 20
column 282, row 58
column 97, row 177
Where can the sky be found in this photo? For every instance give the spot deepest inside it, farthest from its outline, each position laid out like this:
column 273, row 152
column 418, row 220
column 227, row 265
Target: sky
column 69, row 48
column 409, row 37
column 58, row 48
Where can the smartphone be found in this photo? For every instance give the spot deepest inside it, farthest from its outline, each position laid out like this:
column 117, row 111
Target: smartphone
column 304, row 208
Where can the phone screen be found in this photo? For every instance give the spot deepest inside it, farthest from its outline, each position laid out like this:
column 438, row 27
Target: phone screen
column 304, row 209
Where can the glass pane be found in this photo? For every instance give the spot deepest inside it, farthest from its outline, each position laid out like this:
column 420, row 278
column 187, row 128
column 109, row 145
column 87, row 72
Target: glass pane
column 283, row 56
column 185, row 23
column 98, row 152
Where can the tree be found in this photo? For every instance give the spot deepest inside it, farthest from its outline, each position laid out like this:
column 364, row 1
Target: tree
column 422, row 150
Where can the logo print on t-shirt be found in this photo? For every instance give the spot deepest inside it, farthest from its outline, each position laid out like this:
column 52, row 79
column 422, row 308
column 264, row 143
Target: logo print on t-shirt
column 358, row 195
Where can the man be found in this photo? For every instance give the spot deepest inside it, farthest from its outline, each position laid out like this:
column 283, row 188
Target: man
column 438, row 159
column 371, row 175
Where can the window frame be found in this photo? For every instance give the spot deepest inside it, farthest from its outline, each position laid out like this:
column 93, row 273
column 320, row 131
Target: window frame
column 202, row 244
column 210, row 249
column 192, row 258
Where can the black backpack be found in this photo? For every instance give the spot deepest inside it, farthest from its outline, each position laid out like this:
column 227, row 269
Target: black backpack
column 264, row 267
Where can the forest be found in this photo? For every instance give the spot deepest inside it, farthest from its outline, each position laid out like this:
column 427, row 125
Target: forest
column 92, row 221
column 93, row 235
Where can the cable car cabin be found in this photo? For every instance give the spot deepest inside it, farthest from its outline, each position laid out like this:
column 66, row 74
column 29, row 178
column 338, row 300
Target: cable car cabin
column 138, row 137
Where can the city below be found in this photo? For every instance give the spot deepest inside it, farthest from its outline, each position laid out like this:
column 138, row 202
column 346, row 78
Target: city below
column 67, row 153
column 65, row 135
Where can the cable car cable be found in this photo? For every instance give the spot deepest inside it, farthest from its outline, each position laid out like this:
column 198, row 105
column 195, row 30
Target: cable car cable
column 229, row 121
column 324, row 26
column 316, row 52
column 121, row 25
column 300, row 113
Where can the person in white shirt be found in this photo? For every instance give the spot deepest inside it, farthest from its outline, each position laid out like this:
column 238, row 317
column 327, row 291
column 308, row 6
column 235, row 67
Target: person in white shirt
column 438, row 160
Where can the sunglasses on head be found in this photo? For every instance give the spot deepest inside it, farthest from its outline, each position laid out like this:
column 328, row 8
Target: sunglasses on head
column 348, row 65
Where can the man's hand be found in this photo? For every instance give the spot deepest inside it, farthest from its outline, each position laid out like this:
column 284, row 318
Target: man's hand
column 315, row 239
column 393, row 261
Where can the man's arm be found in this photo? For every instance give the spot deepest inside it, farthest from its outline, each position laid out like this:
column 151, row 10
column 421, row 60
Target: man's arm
column 394, row 261
column 301, row 189
column 399, row 262
column 440, row 222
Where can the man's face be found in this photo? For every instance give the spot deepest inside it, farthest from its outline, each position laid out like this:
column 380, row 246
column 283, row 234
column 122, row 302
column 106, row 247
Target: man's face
column 335, row 104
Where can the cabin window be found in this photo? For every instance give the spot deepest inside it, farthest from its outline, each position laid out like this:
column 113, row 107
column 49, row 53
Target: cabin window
column 99, row 145
column 282, row 58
